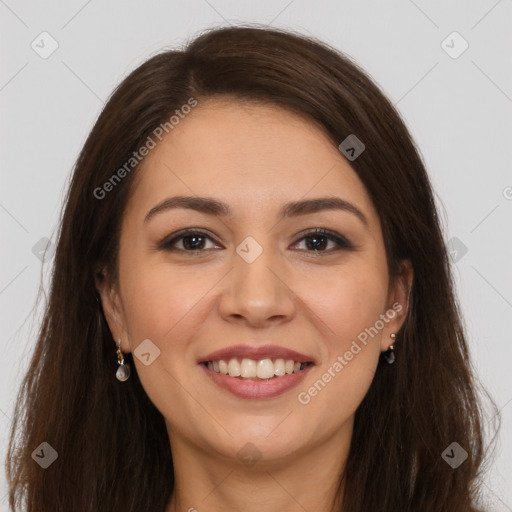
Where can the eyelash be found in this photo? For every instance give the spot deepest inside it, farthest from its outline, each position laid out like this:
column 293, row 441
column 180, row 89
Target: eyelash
column 341, row 241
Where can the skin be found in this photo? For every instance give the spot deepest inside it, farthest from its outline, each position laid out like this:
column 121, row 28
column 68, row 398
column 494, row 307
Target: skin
column 255, row 158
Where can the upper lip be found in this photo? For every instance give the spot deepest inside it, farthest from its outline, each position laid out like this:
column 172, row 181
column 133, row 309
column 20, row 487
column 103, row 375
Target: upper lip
column 257, row 353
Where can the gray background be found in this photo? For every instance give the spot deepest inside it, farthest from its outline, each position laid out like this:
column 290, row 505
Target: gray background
column 458, row 109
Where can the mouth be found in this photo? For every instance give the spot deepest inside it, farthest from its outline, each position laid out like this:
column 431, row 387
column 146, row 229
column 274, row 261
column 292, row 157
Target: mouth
column 262, row 369
column 256, row 372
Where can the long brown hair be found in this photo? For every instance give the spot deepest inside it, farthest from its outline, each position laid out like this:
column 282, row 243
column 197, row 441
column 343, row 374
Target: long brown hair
column 112, row 444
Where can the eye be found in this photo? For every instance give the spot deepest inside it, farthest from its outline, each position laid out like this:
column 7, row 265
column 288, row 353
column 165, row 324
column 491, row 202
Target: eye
column 317, row 239
column 190, row 240
column 194, row 241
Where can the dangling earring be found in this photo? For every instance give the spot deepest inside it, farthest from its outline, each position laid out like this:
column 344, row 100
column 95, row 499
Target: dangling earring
column 123, row 372
column 389, row 355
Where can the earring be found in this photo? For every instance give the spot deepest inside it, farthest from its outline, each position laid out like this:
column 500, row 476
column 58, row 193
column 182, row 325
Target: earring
column 123, row 371
column 389, row 355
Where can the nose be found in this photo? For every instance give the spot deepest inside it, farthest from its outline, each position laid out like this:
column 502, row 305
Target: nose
column 257, row 292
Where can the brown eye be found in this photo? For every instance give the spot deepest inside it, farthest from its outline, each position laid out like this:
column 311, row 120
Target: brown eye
column 195, row 241
column 190, row 240
column 318, row 239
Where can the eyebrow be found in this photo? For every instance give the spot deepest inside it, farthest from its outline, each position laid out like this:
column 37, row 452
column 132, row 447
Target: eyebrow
column 211, row 206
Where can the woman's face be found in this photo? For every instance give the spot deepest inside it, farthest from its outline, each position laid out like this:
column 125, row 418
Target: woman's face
column 252, row 279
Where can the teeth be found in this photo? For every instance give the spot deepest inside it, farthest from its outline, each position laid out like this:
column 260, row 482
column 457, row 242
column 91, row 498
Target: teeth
column 223, row 367
column 233, row 368
column 279, row 367
column 249, row 368
column 265, row 369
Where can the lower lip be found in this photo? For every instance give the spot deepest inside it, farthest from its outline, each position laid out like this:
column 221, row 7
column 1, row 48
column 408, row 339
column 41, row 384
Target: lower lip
column 248, row 388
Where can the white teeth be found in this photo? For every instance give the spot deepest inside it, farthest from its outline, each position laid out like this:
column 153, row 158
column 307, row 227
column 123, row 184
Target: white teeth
column 265, row 369
column 223, row 367
column 234, row 368
column 249, row 368
column 279, row 367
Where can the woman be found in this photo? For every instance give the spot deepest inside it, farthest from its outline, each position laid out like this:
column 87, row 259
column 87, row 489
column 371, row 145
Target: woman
column 251, row 306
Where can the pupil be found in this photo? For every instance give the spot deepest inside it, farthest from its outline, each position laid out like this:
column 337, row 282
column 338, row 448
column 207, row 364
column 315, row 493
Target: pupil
column 193, row 246
column 317, row 245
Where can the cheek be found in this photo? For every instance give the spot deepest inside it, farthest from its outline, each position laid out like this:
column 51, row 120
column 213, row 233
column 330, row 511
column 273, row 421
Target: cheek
column 158, row 299
column 347, row 304
column 162, row 305
column 348, row 301
column 337, row 391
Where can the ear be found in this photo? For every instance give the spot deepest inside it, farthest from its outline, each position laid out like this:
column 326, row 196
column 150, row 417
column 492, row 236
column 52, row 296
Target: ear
column 112, row 309
column 397, row 303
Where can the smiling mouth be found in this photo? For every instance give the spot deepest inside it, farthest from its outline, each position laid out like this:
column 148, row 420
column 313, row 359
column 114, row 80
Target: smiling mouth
column 263, row 369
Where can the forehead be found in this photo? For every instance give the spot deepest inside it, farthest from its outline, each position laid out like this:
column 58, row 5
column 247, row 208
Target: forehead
column 250, row 155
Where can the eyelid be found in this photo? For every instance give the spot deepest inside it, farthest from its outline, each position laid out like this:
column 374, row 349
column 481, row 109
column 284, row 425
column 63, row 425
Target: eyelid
column 343, row 243
column 168, row 241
